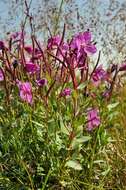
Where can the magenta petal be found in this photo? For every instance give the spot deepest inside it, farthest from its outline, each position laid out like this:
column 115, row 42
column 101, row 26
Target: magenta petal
column 93, row 119
column 54, row 41
column 28, row 49
column 98, row 75
column 66, row 92
column 25, row 91
column 75, row 44
column 22, row 95
column 1, row 76
column 29, row 98
column 96, row 121
column 27, row 86
column 106, row 93
column 89, row 126
column 31, row 67
column 90, row 49
column 41, row 82
column 87, row 37
column 122, row 67
column 78, row 44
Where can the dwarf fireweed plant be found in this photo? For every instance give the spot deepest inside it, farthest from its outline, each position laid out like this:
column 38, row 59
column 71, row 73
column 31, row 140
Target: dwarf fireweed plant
column 55, row 112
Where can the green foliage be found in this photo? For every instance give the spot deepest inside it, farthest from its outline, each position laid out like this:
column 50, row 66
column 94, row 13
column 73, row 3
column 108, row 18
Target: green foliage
column 49, row 148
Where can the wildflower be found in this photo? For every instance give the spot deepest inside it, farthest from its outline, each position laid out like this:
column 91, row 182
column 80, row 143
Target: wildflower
column 37, row 51
column 36, row 57
column 63, row 49
column 98, row 75
column 66, row 92
column 25, row 91
column 81, row 60
column 53, row 41
column 28, row 49
column 41, row 82
column 32, row 67
column 106, row 93
column 1, row 75
column 122, row 67
column 82, row 43
column 93, row 119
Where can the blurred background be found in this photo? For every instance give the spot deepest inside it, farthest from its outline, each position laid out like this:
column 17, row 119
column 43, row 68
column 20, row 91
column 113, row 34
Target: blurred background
column 105, row 19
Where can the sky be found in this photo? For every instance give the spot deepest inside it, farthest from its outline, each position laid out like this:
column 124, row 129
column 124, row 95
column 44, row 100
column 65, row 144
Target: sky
column 6, row 15
column 11, row 22
column 5, row 9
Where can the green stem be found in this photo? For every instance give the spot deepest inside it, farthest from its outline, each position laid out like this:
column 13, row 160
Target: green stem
column 46, row 179
column 58, row 17
column 29, row 176
column 93, row 153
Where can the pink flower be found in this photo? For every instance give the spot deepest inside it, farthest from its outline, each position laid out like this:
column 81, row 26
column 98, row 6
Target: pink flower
column 36, row 57
column 82, row 42
column 41, row 82
column 29, row 50
column 93, row 119
column 98, row 75
column 81, row 60
column 58, row 47
column 66, row 92
column 54, row 41
column 1, row 75
column 25, row 91
column 106, row 93
column 63, row 49
column 122, row 67
column 32, row 67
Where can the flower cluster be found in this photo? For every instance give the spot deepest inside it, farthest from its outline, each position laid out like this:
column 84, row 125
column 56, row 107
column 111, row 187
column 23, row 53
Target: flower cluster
column 38, row 68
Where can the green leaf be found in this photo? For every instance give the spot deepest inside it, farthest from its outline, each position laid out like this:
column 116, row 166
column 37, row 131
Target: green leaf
column 84, row 139
column 58, row 142
column 63, row 127
column 112, row 106
column 79, row 141
column 113, row 114
column 106, row 172
column 74, row 164
column 98, row 161
column 82, row 86
column 37, row 124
